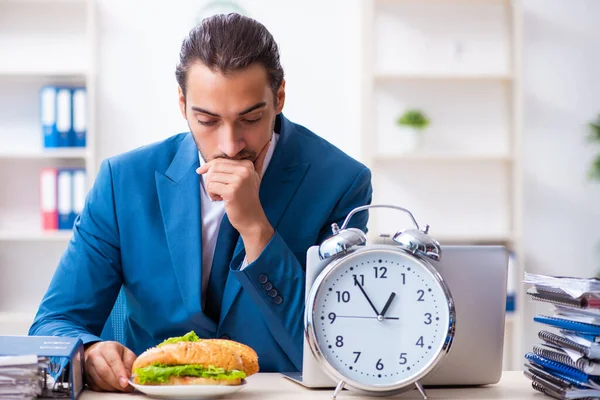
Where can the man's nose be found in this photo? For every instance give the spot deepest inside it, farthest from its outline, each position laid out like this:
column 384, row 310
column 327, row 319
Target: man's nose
column 230, row 141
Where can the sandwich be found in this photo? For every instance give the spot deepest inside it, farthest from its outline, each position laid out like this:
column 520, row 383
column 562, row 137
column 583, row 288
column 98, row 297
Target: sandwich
column 189, row 360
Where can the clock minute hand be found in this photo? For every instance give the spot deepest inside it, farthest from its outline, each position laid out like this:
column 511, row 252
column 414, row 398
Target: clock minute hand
column 366, row 296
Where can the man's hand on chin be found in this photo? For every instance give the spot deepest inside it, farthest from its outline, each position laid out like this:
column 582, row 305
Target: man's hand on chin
column 237, row 183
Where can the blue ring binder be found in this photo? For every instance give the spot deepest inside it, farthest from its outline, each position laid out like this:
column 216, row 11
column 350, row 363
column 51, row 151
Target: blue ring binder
column 561, row 323
column 558, row 367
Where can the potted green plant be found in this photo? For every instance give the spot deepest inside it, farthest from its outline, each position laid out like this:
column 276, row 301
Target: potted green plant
column 594, row 137
column 413, row 122
column 594, row 171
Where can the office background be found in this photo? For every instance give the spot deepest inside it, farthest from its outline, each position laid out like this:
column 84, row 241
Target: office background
column 509, row 87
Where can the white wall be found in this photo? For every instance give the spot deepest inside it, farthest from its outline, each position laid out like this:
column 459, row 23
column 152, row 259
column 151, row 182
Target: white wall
column 139, row 43
column 561, row 89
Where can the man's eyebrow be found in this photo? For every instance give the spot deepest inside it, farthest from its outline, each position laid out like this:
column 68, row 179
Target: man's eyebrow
column 254, row 107
column 249, row 110
column 203, row 111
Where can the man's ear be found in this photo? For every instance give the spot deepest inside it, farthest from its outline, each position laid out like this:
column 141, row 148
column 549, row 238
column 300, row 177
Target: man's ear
column 280, row 97
column 181, row 102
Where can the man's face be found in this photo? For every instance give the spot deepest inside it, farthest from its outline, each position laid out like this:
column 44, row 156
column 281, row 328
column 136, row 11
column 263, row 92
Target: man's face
column 231, row 116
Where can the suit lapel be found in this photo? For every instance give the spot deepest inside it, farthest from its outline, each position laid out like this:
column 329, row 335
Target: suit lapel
column 280, row 182
column 179, row 197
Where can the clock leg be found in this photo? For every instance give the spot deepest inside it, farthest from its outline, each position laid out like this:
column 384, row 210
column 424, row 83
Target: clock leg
column 338, row 389
column 421, row 390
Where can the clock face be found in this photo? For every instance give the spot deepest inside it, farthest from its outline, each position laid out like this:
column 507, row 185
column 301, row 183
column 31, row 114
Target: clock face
column 381, row 317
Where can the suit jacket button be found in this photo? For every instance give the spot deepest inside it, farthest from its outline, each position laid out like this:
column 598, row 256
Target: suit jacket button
column 262, row 278
column 278, row 300
column 273, row 292
column 268, row 286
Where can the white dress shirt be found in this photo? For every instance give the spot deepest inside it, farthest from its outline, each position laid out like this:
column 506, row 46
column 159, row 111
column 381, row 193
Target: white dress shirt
column 211, row 214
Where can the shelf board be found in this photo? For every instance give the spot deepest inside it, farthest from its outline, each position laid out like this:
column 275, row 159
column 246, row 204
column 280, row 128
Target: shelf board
column 477, row 2
column 34, row 236
column 40, row 71
column 473, row 238
column 433, row 157
column 510, row 317
column 12, row 317
column 399, row 77
column 15, row 322
column 448, row 239
column 26, row 2
column 58, row 153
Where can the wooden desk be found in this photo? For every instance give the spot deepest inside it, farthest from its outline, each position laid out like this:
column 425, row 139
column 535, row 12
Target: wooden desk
column 513, row 385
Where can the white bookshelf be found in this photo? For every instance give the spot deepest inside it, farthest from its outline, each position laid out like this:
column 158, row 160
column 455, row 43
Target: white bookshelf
column 456, row 60
column 443, row 158
column 16, row 235
column 41, row 42
column 46, row 154
column 44, row 2
column 399, row 77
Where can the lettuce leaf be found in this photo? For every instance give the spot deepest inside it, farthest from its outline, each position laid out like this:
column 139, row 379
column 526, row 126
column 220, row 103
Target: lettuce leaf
column 160, row 373
column 188, row 337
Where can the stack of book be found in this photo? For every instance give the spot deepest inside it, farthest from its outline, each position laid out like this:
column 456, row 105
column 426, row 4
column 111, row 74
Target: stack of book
column 63, row 113
column 22, row 377
column 40, row 367
column 62, row 197
column 565, row 364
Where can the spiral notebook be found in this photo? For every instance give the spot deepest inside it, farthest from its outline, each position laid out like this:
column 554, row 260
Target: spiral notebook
column 564, row 371
column 542, row 386
column 561, row 356
column 557, row 297
column 568, row 324
column 560, row 389
column 585, row 348
column 588, row 338
column 556, row 287
column 557, row 377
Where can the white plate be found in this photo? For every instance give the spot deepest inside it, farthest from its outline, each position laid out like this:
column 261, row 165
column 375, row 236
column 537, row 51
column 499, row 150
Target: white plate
column 187, row 391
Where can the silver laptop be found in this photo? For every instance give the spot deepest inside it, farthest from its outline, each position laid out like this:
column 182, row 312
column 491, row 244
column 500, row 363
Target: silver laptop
column 476, row 276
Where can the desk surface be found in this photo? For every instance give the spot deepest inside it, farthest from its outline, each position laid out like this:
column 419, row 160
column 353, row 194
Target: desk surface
column 513, row 385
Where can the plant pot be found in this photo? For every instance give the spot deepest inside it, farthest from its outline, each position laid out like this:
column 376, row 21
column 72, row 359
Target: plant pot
column 409, row 140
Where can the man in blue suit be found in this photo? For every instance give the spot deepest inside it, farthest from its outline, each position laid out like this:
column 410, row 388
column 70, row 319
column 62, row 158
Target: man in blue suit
column 207, row 230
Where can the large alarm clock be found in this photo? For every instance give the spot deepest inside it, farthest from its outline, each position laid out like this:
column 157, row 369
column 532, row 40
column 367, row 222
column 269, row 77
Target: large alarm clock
column 379, row 317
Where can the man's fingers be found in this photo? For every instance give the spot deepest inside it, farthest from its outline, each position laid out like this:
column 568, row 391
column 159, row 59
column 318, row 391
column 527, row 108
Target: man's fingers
column 105, row 372
column 222, row 190
column 107, row 366
column 119, row 378
column 203, row 169
column 221, row 178
column 215, row 197
column 129, row 358
column 97, row 382
column 233, row 166
column 223, row 165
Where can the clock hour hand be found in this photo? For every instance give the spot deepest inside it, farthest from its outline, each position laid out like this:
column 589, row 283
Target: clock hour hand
column 387, row 304
column 366, row 296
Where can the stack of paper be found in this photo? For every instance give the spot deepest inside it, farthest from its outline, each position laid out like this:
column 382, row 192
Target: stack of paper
column 22, row 377
column 53, row 355
column 566, row 363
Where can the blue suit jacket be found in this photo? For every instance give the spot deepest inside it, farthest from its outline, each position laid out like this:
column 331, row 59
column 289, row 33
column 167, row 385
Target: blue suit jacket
column 140, row 230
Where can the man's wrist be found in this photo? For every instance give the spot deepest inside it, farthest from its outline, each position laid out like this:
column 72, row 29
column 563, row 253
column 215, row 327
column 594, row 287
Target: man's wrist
column 256, row 239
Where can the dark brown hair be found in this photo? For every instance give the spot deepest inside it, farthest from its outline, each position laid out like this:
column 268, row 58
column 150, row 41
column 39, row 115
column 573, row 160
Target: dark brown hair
column 229, row 43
